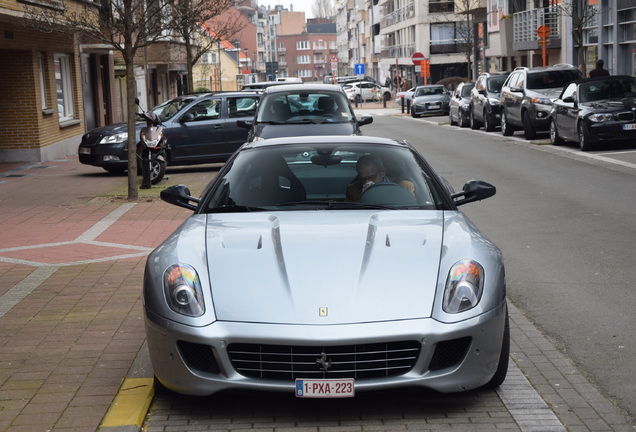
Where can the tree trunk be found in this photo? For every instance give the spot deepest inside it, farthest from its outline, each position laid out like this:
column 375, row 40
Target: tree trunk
column 131, row 94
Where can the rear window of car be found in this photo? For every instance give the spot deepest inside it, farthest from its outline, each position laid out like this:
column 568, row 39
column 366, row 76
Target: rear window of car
column 552, row 78
column 266, row 177
column 305, row 107
column 495, row 83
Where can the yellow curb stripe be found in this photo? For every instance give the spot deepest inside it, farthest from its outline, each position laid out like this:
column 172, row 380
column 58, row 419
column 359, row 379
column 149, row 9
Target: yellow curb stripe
column 131, row 403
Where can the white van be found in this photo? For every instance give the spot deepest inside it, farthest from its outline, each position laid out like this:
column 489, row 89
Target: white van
column 290, row 79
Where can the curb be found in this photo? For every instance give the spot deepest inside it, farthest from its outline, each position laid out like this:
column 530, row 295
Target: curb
column 130, row 406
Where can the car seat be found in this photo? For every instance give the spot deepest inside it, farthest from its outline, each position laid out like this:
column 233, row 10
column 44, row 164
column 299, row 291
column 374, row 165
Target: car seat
column 327, row 105
column 280, row 111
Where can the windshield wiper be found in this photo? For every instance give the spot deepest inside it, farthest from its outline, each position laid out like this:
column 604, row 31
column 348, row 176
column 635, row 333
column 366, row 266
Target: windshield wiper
column 336, row 205
column 234, row 209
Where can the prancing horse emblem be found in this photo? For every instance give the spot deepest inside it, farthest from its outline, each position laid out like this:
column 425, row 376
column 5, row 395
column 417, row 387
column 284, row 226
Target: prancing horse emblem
column 323, row 362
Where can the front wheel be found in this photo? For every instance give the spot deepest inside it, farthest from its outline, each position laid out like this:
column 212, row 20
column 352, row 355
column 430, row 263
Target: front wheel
column 157, row 170
column 489, row 124
column 474, row 123
column 529, row 132
column 584, row 137
column 450, row 119
column 555, row 139
column 502, row 367
column 506, row 129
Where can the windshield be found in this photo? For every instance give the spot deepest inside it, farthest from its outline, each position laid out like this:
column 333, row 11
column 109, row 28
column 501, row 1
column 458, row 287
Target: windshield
column 325, row 176
column 495, row 83
column 305, row 107
column 552, row 78
column 614, row 88
column 426, row 91
column 168, row 109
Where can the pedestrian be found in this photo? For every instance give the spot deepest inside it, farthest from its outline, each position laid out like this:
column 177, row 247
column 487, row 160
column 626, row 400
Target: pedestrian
column 598, row 71
column 387, row 82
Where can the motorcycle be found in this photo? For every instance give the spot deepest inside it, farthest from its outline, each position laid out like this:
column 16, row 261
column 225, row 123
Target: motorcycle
column 151, row 149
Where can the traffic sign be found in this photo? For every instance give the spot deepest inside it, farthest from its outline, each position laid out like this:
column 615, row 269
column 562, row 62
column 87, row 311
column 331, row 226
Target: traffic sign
column 418, row 58
column 543, row 31
column 359, row 69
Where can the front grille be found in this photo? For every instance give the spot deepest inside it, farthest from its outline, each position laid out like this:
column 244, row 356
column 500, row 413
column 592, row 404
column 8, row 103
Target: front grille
column 626, row 116
column 283, row 362
column 449, row 353
column 90, row 139
column 198, row 357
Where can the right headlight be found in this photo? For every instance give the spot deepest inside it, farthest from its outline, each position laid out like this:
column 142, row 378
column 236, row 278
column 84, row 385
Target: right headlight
column 182, row 289
column 112, row 139
column 464, row 286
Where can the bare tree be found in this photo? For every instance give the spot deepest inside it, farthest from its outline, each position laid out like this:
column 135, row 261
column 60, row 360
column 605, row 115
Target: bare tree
column 127, row 26
column 583, row 15
column 191, row 17
column 323, row 9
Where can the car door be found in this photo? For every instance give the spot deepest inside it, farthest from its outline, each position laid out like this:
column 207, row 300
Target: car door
column 238, row 108
column 477, row 97
column 512, row 98
column 567, row 113
column 198, row 133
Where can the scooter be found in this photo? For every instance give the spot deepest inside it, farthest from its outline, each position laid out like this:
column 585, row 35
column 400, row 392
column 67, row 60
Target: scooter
column 151, row 149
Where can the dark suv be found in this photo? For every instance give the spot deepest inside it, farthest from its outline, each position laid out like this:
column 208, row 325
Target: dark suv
column 200, row 128
column 485, row 107
column 527, row 96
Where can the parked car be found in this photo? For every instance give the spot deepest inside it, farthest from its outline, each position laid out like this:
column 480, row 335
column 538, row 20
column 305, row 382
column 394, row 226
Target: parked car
column 485, row 106
column 430, row 99
column 342, row 80
column 405, row 96
column 277, row 283
column 200, row 128
column 303, row 109
column 595, row 111
column 366, row 91
column 459, row 106
column 527, row 96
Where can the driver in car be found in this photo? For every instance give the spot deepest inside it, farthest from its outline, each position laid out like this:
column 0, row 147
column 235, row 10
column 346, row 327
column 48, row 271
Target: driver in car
column 371, row 170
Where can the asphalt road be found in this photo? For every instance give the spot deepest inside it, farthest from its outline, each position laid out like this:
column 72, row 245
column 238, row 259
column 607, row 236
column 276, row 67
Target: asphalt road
column 566, row 223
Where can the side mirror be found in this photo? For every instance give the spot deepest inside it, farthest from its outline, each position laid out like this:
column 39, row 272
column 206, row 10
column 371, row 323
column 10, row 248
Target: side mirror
column 187, row 117
column 482, row 92
column 474, row 190
column 365, row 120
column 246, row 124
column 179, row 195
column 569, row 99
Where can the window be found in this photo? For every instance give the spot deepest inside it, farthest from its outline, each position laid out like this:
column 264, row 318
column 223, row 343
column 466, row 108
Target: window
column 64, row 87
column 302, row 45
column 443, row 38
column 304, row 59
column 41, row 77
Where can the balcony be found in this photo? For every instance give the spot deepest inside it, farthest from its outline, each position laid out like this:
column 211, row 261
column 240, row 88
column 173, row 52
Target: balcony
column 526, row 23
column 398, row 16
column 396, row 51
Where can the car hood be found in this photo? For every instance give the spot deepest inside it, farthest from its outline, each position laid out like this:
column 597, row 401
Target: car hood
column 552, row 94
column 617, row 104
column 264, row 130
column 355, row 266
column 113, row 129
column 431, row 98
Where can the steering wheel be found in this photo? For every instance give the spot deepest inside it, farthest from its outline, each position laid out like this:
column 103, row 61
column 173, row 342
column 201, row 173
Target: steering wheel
column 387, row 193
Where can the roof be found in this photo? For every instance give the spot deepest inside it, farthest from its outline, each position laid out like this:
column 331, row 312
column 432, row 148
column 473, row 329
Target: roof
column 303, row 87
column 333, row 139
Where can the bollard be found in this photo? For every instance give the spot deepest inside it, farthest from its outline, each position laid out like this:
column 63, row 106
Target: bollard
column 408, row 106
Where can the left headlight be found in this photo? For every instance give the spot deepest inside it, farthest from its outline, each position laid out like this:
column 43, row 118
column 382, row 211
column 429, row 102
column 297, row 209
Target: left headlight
column 464, row 286
column 542, row 101
column 182, row 289
column 114, row 139
column 601, row 117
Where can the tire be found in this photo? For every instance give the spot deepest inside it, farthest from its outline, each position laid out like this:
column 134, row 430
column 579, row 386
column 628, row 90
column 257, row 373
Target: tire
column 489, row 124
column 555, row 139
column 529, row 132
column 450, row 119
column 463, row 123
column 506, row 129
column 504, row 357
column 474, row 124
column 584, row 137
column 157, row 171
column 413, row 113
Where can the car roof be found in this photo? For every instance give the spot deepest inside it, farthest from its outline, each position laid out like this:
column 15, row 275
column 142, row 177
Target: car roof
column 430, row 85
column 302, row 87
column 327, row 139
column 558, row 66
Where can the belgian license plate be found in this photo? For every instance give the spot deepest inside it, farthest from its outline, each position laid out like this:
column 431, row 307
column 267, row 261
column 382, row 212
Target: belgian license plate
column 84, row 150
column 433, row 107
column 630, row 126
column 325, row 388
